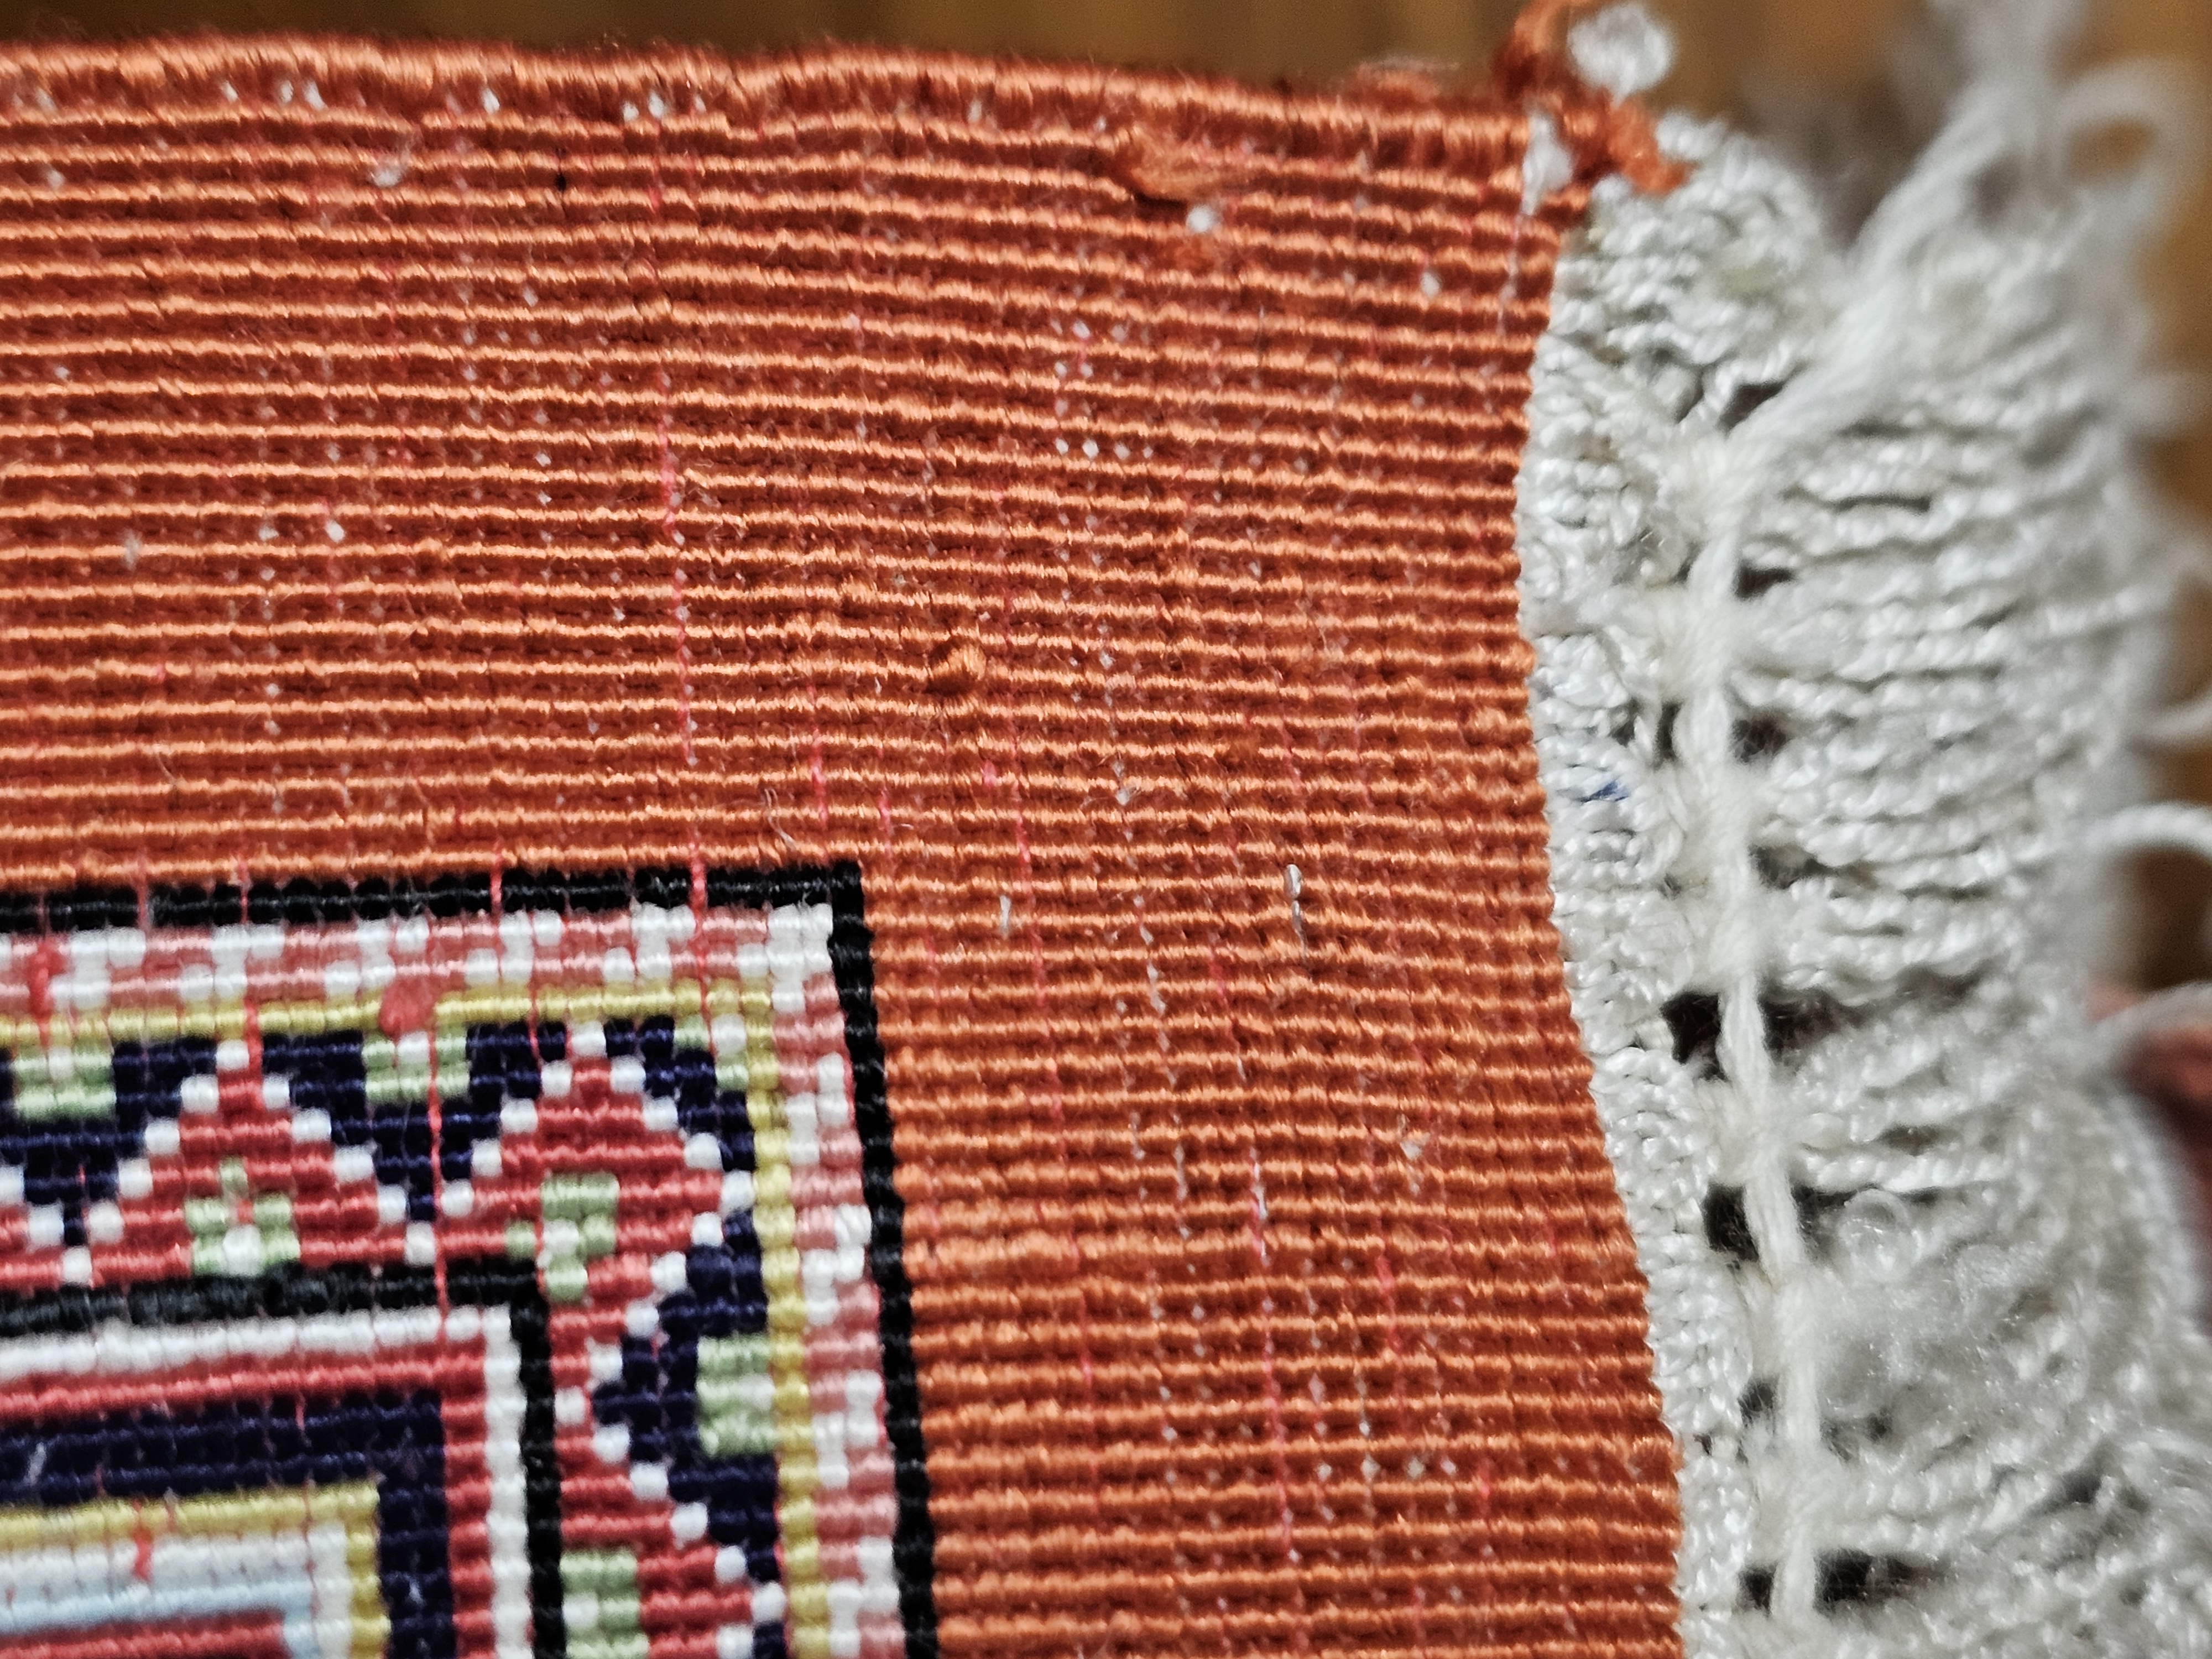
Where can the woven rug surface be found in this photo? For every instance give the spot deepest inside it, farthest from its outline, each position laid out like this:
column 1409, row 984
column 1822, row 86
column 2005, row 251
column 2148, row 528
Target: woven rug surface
column 774, row 881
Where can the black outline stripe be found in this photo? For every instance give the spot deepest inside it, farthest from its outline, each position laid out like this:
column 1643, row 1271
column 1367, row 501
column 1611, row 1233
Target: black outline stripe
column 913, row 1549
column 305, row 903
column 287, row 1293
column 492, row 1281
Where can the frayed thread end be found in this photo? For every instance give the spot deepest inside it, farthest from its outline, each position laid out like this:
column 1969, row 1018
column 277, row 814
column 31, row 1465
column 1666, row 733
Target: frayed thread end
column 1584, row 63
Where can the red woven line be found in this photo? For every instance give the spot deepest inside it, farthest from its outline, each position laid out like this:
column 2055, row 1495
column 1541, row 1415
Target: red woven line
column 456, row 1372
column 209, row 1638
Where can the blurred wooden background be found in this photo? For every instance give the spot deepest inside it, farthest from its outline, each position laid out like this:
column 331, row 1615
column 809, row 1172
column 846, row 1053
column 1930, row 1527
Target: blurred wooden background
column 1733, row 50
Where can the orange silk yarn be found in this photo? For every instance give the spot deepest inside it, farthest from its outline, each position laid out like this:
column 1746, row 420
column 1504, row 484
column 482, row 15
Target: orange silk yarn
column 1079, row 505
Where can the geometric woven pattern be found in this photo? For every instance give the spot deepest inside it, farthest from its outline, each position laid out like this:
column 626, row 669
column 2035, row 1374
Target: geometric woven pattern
column 464, row 1264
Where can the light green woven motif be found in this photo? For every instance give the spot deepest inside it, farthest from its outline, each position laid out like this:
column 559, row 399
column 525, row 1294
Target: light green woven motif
column 64, row 1082
column 242, row 1232
column 392, row 1077
column 598, row 1603
column 737, row 1396
column 579, row 1228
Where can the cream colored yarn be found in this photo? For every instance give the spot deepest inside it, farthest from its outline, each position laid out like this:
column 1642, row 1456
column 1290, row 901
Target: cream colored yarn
column 1848, row 590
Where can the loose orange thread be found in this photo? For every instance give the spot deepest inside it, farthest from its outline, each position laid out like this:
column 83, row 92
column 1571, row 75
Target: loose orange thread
column 1605, row 133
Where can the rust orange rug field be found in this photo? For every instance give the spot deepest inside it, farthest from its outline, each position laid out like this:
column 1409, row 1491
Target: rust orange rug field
column 774, row 881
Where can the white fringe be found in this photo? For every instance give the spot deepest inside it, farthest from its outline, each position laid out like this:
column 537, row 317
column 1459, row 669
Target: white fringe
column 1847, row 587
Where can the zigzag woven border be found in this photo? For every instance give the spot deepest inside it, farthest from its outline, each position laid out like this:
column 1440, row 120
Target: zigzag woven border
column 173, row 1069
